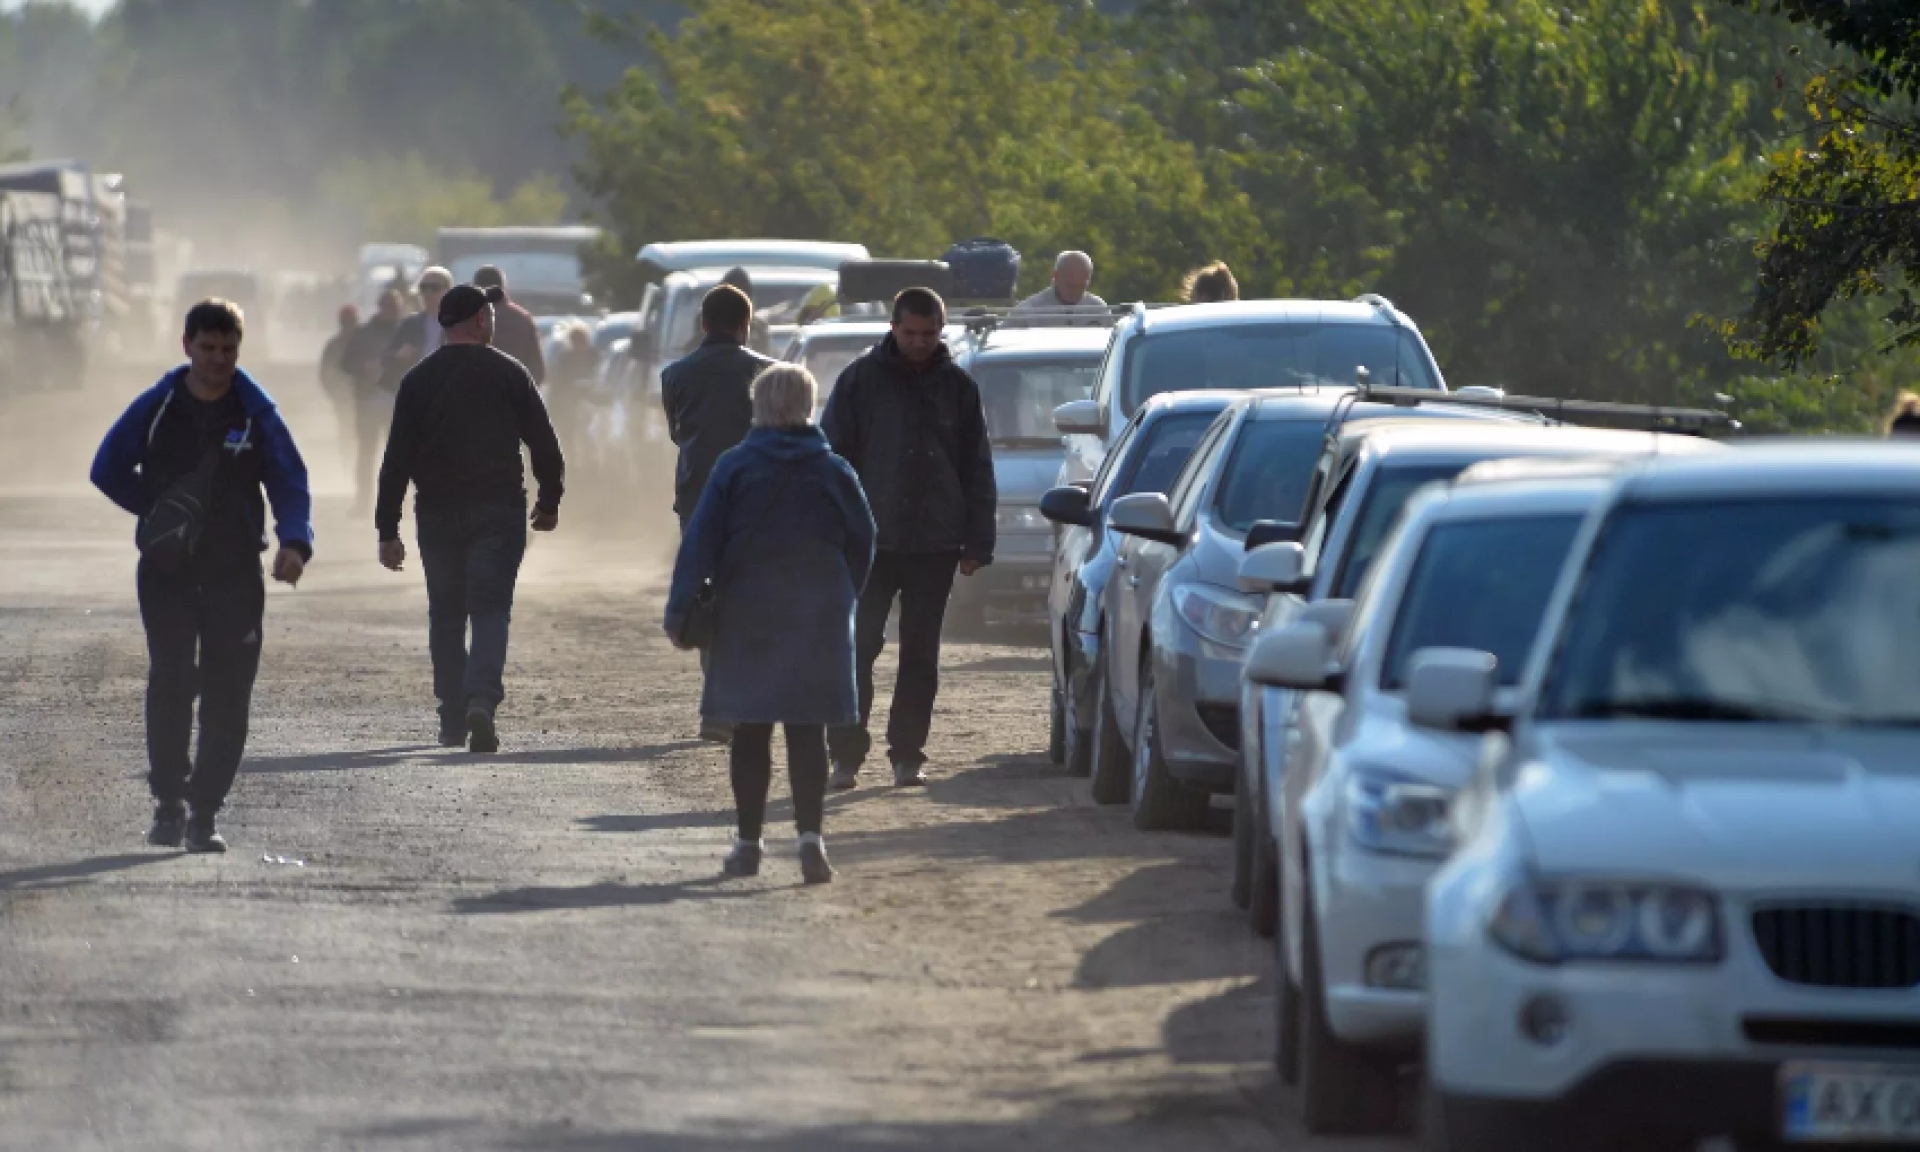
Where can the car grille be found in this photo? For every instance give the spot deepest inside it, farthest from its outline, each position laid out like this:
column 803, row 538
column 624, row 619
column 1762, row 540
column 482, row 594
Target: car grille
column 1223, row 721
column 1840, row 945
column 1799, row 1033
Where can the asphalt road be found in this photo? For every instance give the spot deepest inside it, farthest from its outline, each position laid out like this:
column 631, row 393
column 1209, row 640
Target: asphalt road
column 534, row 950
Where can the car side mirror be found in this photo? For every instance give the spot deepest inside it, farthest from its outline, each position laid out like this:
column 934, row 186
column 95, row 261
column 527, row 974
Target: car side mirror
column 1069, row 505
column 1336, row 616
column 1080, row 418
column 1295, row 658
column 1451, row 689
column 1274, row 568
column 1144, row 514
column 1266, row 532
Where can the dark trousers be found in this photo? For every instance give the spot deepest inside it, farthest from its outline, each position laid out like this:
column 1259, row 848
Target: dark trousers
column 750, row 759
column 921, row 582
column 472, row 559
column 203, row 642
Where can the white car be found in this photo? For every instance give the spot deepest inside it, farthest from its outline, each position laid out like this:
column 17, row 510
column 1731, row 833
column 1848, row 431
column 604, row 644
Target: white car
column 1472, row 565
column 1686, row 901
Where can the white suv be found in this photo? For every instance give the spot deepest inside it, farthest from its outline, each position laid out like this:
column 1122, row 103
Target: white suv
column 1686, row 905
column 1367, row 794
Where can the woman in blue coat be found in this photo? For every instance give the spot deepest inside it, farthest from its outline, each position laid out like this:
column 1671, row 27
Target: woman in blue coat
column 783, row 533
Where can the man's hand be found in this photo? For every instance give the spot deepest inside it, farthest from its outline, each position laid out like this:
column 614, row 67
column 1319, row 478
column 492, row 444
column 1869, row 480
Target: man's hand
column 288, row 566
column 545, row 521
column 393, row 555
column 969, row 566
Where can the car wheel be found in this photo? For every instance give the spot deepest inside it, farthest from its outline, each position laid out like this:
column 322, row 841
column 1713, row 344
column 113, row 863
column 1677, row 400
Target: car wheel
column 1057, row 730
column 1286, row 1014
column 1343, row 1091
column 1243, row 833
column 1079, row 758
column 1160, row 802
column 1263, row 888
column 1112, row 768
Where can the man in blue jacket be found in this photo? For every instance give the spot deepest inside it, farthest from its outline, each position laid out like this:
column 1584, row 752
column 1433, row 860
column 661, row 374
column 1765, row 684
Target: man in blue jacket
column 190, row 457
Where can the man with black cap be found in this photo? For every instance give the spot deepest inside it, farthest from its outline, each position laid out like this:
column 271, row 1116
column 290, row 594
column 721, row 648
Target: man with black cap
column 458, row 424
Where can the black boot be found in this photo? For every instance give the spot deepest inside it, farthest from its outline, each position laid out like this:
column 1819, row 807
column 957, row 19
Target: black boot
column 201, row 835
column 481, row 735
column 169, row 824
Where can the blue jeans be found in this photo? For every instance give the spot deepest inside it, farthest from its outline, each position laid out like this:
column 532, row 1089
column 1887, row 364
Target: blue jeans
column 472, row 559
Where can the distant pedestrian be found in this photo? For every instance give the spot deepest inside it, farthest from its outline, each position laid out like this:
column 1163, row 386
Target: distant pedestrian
column 1072, row 276
column 910, row 422
column 190, row 457
column 336, row 382
column 781, row 542
column 575, row 373
column 419, row 335
column 707, row 393
column 515, row 333
column 366, row 364
column 458, row 424
column 1212, row 284
column 1904, row 420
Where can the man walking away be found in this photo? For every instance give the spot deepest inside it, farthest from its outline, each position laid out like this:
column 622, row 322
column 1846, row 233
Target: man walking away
column 909, row 420
column 366, row 364
column 515, row 333
column 708, row 394
column 458, row 425
column 1072, row 276
column 336, row 382
column 190, row 457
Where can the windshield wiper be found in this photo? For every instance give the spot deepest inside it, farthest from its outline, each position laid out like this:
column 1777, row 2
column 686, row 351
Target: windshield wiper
column 1694, row 708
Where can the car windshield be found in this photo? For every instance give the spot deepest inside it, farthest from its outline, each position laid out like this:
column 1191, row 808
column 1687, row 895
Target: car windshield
column 1385, row 499
column 827, row 357
column 531, row 271
column 686, row 336
column 1285, row 353
column 1776, row 610
column 1021, row 394
column 1480, row 584
column 1163, row 451
column 1269, row 472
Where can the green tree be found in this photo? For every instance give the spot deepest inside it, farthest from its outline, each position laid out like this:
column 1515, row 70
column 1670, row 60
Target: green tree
column 903, row 124
column 407, row 199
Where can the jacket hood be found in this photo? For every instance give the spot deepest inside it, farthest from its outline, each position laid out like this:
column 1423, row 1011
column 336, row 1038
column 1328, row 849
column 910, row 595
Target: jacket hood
column 253, row 398
column 787, row 445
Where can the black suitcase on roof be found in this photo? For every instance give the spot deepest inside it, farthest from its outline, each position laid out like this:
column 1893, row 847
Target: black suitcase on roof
column 984, row 268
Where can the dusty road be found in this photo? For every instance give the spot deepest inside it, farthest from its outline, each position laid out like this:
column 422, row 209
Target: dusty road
column 533, row 950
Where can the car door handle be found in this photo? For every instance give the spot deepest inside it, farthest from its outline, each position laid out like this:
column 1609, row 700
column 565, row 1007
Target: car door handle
column 1133, row 581
column 1119, row 561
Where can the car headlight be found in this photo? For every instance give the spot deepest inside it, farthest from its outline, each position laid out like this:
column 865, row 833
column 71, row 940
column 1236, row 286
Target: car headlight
column 1218, row 614
column 1020, row 518
column 1400, row 817
column 1552, row 922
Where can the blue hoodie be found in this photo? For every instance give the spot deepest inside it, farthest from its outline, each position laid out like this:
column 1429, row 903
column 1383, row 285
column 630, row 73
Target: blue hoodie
column 116, row 467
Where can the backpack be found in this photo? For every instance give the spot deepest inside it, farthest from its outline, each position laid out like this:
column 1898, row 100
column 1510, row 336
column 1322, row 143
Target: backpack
column 984, row 268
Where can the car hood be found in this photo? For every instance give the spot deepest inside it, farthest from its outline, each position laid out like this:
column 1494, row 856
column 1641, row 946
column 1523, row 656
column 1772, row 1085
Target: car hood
column 1024, row 474
column 1217, row 556
column 1737, row 806
column 1385, row 741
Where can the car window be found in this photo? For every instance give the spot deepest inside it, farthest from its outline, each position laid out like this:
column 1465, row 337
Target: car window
column 1315, row 541
column 1110, row 463
column 1756, row 610
column 1284, row 353
column 1185, row 493
column 1267, row 475
column 1480, row 584
column 1168, row 446
column 1386, row 498
column 1020, row 395
column 827, row 358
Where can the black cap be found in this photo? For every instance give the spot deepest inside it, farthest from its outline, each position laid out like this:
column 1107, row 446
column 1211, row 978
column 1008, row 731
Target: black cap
column 463, row 300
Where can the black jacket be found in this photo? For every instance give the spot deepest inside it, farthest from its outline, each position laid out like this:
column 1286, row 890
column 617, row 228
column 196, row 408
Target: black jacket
column 918, row 439
column 708, row 396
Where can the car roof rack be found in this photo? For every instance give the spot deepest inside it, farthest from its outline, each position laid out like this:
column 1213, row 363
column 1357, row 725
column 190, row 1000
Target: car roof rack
column 986, row 321
column 1376, row 300
column 1704, row 422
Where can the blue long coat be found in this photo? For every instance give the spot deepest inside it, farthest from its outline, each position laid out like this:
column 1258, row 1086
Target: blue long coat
column 784, row 531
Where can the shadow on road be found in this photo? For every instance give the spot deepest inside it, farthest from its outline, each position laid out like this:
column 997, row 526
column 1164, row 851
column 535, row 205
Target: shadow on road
column 378, row 757
column 602, row 895
column 1038, row 663
column 78, row 871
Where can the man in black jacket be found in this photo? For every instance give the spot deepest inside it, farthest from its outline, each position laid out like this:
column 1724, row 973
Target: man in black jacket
column 909, row 420
column 708, row 393
column 458, row 424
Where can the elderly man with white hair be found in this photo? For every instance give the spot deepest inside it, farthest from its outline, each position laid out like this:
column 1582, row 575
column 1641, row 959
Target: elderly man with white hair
column 1072, row 275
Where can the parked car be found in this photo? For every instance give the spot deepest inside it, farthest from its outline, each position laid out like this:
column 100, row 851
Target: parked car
column 1684, row 904
column 1362, row 482
column 826, row 347
column 1146, row 456
column 1472, row 565
column 1240, row 347
column 1025, row 371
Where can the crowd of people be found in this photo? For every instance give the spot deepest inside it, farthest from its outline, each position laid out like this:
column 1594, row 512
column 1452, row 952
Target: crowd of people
column 798, row 539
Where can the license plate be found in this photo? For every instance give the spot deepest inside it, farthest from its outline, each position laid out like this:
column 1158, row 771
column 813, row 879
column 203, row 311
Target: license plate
column 1850, row 1103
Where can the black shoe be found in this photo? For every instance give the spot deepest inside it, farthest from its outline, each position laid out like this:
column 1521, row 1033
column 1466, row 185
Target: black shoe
column 814, row 868
column 453, row 733
column 907, row 774
column 744, row 860
column 201, row 836
column 169, row 825
column 481, row 736
column 845, row 778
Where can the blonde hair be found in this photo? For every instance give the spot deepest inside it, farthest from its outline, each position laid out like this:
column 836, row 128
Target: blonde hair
column 1209, row 285
column 1906, row 412
column 783, row 397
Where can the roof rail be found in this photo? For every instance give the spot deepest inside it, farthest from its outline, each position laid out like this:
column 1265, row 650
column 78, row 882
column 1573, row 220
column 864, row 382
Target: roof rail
column 1375, row 299
column 1587, row 413
column 987, row 320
